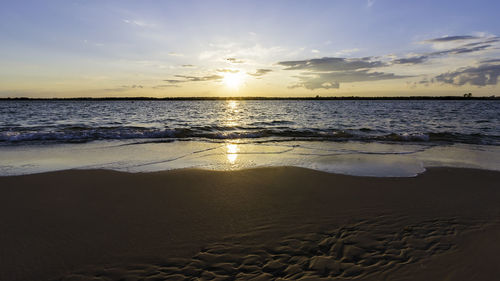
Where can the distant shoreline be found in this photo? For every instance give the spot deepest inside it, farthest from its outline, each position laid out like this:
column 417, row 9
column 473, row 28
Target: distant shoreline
column 249, row 98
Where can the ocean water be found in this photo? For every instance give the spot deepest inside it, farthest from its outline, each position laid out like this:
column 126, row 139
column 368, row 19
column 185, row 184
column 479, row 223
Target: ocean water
column 359, row 137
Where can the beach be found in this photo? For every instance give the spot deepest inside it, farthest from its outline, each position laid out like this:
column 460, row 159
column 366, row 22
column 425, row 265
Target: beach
column 264, row 223
column 249, row 140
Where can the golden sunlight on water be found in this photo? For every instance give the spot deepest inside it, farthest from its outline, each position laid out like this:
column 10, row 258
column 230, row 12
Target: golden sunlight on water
column 232, row 152
column 232, row 104
column 231, row 112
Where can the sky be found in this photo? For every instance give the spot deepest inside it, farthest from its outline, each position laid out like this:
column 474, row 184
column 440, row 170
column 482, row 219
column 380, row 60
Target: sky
column 249, row 48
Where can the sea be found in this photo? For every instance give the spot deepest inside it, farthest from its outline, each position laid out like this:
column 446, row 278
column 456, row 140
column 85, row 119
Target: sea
column 382, row 138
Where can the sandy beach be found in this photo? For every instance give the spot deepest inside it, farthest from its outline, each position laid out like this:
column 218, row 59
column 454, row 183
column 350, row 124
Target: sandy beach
column 257, row 224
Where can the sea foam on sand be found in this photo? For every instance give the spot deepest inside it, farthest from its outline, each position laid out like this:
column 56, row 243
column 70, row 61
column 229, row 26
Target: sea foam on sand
column 352, row 158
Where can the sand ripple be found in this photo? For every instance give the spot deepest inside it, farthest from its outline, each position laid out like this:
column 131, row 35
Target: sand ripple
column 351, row 251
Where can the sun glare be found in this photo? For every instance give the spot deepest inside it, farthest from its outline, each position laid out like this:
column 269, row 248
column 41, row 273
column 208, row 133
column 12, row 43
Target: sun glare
column 233, row 80
column 232, row 152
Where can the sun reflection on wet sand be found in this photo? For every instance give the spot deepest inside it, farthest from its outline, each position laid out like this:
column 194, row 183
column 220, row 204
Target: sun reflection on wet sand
column 232, row 152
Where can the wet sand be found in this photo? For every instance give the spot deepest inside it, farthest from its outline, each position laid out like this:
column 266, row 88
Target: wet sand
column 265, row 224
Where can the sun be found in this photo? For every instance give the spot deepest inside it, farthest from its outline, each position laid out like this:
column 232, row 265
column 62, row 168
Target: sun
column 233, row 80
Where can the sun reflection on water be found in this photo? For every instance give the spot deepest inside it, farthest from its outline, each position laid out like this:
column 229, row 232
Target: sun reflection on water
column 232, row 152
column 232, row 104
column 230, row 117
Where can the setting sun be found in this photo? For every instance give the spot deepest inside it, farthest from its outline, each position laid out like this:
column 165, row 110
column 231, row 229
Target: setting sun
column 233, row 80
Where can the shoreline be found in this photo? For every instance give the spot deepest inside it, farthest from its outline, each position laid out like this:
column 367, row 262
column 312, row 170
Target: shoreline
column 206, row 170
column 275, row 222
column 350, row 158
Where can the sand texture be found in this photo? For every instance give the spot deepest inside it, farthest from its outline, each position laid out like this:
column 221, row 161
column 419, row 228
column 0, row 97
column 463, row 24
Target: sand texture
column 260, row 224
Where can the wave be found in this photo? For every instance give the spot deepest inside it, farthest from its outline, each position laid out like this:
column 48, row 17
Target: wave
column 85, row 134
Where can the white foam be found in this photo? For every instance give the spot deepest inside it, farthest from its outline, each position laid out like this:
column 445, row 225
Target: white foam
column 353, row 158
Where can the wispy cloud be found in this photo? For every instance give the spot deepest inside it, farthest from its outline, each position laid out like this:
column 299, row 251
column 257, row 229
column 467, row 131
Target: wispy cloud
column 138, row 23
column 451, row 38
column 481, row 44
column 332, row 64
column 346, row 52
column 186, row 78
column 174, row 54
column 165, row 86
column 227, row 70
column 124, row 88
column 234, row 60
column 260, row 72
column 412, row 60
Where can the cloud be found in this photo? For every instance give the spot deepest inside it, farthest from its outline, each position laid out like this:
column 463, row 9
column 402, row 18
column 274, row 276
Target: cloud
column 487, row 41
column 451, row 38
column 329, row 72
column 369, row 3
column 260, row 72
column 174, row 54
column 332, row 64
column 332, row 80
column 185, row 78
column 481, row 75
column 491, row 61
column 462, row 50
column 124, row 88
column 234, row 60
column 346, row 52
column 484, row 43
column 411, row 60
column 139, row 23
column 315, row 84
column 227, row 70
column 164, row 86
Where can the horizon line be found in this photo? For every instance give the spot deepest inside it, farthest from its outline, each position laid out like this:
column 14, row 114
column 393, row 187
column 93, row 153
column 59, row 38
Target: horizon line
column 492, row 97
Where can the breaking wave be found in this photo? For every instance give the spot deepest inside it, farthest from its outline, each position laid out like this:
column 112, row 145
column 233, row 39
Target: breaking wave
column 73, row 134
